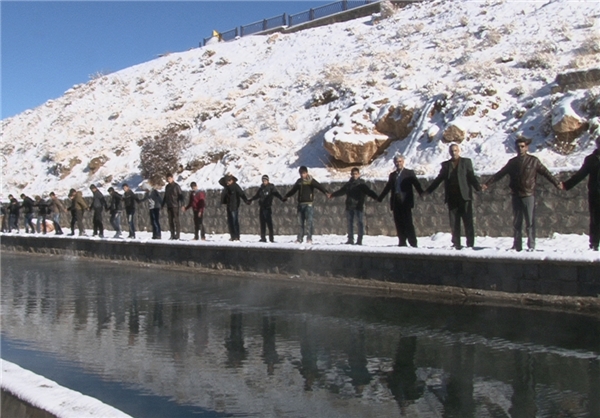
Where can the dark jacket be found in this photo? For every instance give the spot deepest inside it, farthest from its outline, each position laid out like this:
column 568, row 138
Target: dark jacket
column 591, row 168
column 129, row 201
column 115, row 203
column 523, row 171
column 305, row 189
column 98, row 201
column 173, row 196
column 154, row 199
column 408, row 180
column 56, row 206
column 466, row 179
column 27, row 205
column 14, row 207
column 265, row 195
column 43, row 207
column 232, row 195
column 356, row 192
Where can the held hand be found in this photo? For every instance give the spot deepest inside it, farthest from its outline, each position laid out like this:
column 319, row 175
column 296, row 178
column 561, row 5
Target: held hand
column 561, row 186
column 484, row 187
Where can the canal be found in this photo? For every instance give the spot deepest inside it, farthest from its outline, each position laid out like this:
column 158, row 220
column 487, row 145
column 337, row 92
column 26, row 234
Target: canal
column 155, row 342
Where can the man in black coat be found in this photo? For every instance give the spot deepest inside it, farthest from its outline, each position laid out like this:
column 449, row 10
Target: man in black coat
column 402, row 201
column 130, row 200
column 115, row 211
column 173, row 199
column 459, row 181
column 265, row 194
column 13, row 213
column 305, row 187
column 98, row 206
column 231, row 196
column 522, row 171
column 356, row 191
column 27, row 206
column 591, row 168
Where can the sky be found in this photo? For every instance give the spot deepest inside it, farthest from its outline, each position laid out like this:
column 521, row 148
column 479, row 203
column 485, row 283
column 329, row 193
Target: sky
column 49, row 46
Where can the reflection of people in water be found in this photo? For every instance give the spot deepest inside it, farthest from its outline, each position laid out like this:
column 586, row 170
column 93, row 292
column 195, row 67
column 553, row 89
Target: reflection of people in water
column 308, row 363
column 459, row 400
column 357, row 361
column 133, row 322
column 236, row 352
column 270, row 356
column 402, row 380
column 524, row 396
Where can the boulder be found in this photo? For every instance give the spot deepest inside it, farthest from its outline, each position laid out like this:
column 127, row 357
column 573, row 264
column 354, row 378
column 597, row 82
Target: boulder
column 355, row 149
column 567, row 126
column 396, row 122
column 454, row 133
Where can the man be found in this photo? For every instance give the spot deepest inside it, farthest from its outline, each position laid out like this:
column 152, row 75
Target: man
column 78, row 206
column 56, row 208
column 305, row 187
column 401, row 183
column 522, row 171
column 356, row 191
column 173, row 200
column 459, row 181
column 265, row 194
column 232, row 196
column 129, row 201
column 14, row 209
column 115, row 210
column 98, row 206
column 197, row 202
column 591, row 168
column 27, row 206
column 43, row 212
column 155, row 203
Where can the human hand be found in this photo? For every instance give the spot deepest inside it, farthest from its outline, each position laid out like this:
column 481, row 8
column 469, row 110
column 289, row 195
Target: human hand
column 484, row 187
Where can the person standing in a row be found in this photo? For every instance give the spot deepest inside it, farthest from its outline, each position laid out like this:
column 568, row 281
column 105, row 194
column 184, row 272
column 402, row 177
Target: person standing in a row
column 197, row 203
column 305, row 187
column 56, row 208
column 265, row 194
column 27, row 206
column 130, row 201
column 98, row 207
column 401, row 183
column 78, row 207
column 115, row 209
column 173, row 199
column 155, row 202
column 231, row 196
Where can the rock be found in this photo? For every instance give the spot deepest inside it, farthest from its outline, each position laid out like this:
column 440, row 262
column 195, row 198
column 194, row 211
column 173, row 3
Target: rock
column 96, row 163
column 396, row 122
column 453, row 133
column 352, row 151
column 567, row 125
column 577, row 80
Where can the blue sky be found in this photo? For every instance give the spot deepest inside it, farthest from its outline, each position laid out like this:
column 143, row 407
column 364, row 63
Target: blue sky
column 49, row 46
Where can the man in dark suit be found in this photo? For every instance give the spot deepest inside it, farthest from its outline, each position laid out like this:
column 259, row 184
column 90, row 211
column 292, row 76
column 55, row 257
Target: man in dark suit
column 591, row 168
column 401, row 183
column 459, row 181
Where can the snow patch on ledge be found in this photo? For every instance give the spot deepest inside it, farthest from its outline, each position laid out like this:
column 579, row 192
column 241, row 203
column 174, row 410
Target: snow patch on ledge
column 50, row 396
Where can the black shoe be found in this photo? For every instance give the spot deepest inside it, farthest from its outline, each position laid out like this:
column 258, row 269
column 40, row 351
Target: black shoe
column 594, row 247
column 349, row 242
column 262, row 240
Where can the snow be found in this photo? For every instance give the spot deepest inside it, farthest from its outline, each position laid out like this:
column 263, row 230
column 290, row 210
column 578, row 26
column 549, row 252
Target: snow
column 558, row 247
column 51, row 397
column 247, row 101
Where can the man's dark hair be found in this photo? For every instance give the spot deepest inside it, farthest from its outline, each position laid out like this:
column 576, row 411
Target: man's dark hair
column 522, row 140
column 303, row 169
column 355, row 170
column 193, row 184
column 169, row 175
column 52, row 194
column 111, row 189
column 125, row 185
column 93, row 187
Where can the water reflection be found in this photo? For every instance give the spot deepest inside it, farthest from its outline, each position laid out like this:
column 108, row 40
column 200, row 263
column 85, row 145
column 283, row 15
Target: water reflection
column 245, row 348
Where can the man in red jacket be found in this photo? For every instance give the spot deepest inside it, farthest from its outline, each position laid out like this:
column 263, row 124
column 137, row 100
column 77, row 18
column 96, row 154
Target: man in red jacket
column 197, row 202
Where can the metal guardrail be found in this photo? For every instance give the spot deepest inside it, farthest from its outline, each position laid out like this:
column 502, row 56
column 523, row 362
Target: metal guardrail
column 291, row 20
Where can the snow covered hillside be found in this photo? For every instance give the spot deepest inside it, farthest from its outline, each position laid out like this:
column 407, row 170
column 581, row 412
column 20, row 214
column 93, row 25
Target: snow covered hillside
column 265, row 104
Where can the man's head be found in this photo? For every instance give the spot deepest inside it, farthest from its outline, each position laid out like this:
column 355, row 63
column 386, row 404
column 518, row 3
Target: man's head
column 454, row 150
column 52, row 195
column 265, row 179
column 399, row 161
column 303, row 172
column 126, row 187
column 193, row 185
column 111, row 190
column 22, row 195
column 522, row 145
column 93, row 188
column 72, row 193
column 170, row 178
column 10, row 197
column 355, row 173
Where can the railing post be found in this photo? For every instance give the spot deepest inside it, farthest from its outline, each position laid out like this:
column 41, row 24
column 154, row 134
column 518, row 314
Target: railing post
column 241, row 31
column 284, row 20
column 264, row 24
column 311, row 14
column 344, row 5
column 237, row 33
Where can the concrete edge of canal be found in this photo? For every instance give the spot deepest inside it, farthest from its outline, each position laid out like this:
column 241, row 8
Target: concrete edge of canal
column 571, row 285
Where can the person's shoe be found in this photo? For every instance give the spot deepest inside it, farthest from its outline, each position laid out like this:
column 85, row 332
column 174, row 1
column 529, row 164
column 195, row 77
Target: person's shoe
column 298, row 241
column 58, row 233
column 349, row 242
column 271, row 240
column 595, row 248
column 101, row 235
column 83, row 234
column 262, row 240
column 309, row 241
column 71, row 234
column 359, row 242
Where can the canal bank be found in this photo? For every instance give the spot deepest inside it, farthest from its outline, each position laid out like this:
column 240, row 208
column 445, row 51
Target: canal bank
column 473, row 276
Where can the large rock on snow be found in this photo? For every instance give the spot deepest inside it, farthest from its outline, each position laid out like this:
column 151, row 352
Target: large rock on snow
column 574, row 80
column 567, row 125
column 454, row 133
column 396, row 122
column 355, row 149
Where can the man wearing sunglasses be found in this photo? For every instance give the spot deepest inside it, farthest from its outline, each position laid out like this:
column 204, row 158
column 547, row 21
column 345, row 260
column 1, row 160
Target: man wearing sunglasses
column 522, row 171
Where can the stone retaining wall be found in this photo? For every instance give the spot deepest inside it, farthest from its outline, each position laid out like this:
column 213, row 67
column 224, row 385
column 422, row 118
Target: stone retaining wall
column 556, row 211
column 541, row 277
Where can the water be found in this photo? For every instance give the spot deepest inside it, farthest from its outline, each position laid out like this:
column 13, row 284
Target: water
column 158, row 343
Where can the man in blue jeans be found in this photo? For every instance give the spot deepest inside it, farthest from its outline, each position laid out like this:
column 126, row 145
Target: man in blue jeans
column 356, row 191
column 305, row 187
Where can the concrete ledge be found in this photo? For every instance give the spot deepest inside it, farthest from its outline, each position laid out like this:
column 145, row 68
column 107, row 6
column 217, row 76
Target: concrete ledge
column 574, row 283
